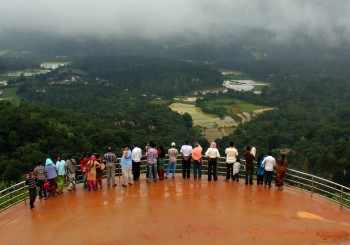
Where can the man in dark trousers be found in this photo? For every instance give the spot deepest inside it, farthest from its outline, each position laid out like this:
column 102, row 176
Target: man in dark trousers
column 249, row 165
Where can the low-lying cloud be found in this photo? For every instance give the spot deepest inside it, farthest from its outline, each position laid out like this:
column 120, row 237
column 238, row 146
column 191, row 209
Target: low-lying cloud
column 324, row 20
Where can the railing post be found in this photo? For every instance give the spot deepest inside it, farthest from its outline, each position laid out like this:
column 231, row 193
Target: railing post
column 24, row 193
column 341, row 197
column 312, row 185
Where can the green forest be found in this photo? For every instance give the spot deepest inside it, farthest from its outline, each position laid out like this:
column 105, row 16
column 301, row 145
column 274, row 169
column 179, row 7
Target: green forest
column 105, row 97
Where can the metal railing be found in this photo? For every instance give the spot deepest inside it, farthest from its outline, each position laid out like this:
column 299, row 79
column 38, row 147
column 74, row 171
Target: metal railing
column 293, row 178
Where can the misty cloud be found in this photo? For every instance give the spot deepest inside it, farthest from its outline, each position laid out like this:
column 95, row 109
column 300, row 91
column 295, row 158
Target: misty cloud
column 322, row 20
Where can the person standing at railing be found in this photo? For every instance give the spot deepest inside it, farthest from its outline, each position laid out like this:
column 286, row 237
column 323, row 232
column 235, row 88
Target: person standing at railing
column 136, row 156
column 31, row 185
column 260, row 170
column 126, row 164
column 160, row 162
column 172, row 153
column 60, row 164
column 186, row 151
column 99, row 170
column 213, row 154
column 40, row 175
column 51, row 173
column 268, row 164
column 83, row 161
column 90, row 169
column 152, row 155
column 236, row 167
column 110, row 160
column 197, row 160
column 281, row 166
column 231, row 155
column 71, row 169
column 249, row 165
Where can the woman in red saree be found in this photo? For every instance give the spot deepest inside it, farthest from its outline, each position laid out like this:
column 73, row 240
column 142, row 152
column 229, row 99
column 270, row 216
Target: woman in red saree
column 281, row 166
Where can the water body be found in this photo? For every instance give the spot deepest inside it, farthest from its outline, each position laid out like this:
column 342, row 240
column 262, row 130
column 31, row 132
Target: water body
column 241, row 85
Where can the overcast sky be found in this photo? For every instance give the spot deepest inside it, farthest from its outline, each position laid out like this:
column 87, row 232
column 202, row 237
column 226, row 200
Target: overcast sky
column 324, row 20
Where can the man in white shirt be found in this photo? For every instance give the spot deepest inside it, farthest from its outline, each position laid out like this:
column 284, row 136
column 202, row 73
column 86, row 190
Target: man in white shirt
column 231, row 154
column 136, row 156
column 186, row 151
column 268, row 164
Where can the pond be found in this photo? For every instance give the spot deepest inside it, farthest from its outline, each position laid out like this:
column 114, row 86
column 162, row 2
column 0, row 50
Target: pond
column 241, row 85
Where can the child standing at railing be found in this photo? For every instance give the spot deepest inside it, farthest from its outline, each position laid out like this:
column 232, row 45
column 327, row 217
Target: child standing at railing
column 236, row 167
column 31, row 185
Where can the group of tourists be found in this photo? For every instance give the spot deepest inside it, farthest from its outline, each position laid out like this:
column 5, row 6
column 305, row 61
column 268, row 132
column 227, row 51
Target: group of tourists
column 51, row 179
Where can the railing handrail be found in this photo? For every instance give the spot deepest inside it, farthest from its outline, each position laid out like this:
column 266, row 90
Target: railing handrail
column 315, row 176
column 16, row 193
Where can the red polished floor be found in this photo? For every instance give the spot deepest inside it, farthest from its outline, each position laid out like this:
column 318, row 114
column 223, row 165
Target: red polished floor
column 178, row 211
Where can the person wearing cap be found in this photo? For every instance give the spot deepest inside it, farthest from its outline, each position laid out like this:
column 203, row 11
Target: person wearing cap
column 186, row 151
column 197, row 160
column 172, row 153
column 110, row 159
column 136, row 156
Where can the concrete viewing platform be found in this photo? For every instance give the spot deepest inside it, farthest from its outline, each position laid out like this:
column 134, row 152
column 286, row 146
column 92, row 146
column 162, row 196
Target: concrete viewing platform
column 178, row 211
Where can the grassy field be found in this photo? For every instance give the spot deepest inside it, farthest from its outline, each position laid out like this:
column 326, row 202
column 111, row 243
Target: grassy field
column 198, row 116
column 4, row 52
column 233, row 106
column 260, row 86
column 10, row 94
column 6, row 78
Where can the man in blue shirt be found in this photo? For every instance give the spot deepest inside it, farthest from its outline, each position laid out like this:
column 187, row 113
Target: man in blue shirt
column 126, row 164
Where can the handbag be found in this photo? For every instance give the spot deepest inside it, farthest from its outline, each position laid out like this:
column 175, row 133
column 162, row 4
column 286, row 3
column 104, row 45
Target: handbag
column 47, row 185
column 103, row 166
